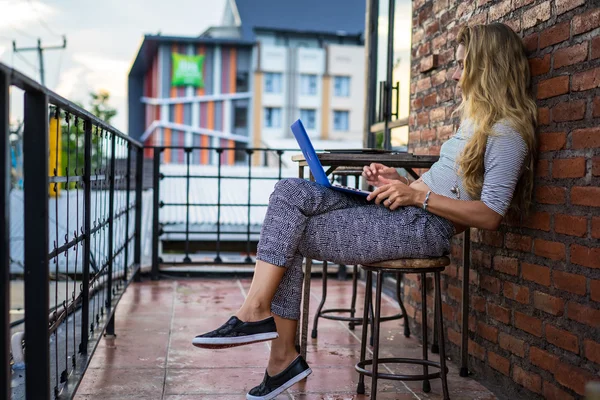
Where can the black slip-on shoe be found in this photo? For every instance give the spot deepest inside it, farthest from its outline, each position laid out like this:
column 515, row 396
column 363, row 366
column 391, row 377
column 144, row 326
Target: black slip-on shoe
column 237, row 333
column 272, row 386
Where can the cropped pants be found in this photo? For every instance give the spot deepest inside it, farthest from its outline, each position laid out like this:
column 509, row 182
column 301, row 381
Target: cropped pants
column 305, row 219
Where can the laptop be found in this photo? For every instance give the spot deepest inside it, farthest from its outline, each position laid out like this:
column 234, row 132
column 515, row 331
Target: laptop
column 315, row 165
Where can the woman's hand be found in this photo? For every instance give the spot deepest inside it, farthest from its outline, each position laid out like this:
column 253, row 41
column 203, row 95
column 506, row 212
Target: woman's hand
column 378, row 174
column 395, row 195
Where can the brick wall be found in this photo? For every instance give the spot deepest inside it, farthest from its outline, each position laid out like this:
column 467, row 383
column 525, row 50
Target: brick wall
column 535, row 287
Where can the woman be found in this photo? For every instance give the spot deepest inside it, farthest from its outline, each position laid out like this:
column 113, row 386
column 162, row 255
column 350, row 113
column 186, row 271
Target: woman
column 484, row 168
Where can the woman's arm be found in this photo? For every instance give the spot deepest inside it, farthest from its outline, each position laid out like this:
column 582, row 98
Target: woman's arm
column 468, row 213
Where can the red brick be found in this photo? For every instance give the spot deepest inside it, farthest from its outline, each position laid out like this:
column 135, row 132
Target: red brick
column 573, row 283
column 432, row 28
column 562, row 6
column 561, row 338
column 569, row 167
column 538, row 220
column 551, row 250
column 500, row 313
column 535, row 15
column 542, row 168
column 595, row 48
column 570, row 225
column 439, row 41
column 552, row 141
column 553, row 87
column 528, row 324
column 555, row 34
column 536, row 273
column 547, row 303
column 448, row 311
column 529, row 380
column 543, row 359
column 585, row 196
column 596, row 227
column 427, row 134
column 586, row 256
column 596, row 166
column 480, row 259
column 477, row 302
column 572, row 377
column 512, row 344
column 596, row 112
column 423, row 84
column 543, row 115
column 454, row 292
column 476, row 350
column 586, row 138
column 439, row 78
column 417, row 103
column 550, row 195
column 517, row 242
column 570, row 55
column 551, row 392
column 454, row 337
column 515, row 292
column 492, row 238
column 539, row 66
column 499, row 363
column 531, row 42
column 586, row 22
column 521, row 3
column 487, row 332
column 499, row 9
column 491, row 284
column 437, row 114
column 430, row 100
column 428, row 63
column 595, row 290
column 586, row 80
column 573, row 110
column 591, row 350
column 585, row 315
column 506, row 265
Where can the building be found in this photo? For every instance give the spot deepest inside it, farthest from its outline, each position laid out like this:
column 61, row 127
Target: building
column 243, row 83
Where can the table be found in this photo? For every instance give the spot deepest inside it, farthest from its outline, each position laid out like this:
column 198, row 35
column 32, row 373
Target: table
column 408, row 162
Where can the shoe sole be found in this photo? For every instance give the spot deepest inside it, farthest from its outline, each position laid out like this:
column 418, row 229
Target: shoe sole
column 226, row 342
column 283, row 387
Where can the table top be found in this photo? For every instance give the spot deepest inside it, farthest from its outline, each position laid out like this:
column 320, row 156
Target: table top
column 396, row 160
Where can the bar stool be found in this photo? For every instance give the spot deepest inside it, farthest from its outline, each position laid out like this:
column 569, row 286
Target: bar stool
column 419, row 266
column 344, row 173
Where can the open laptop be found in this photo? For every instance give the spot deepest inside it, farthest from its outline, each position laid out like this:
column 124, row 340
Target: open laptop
column 315, row 165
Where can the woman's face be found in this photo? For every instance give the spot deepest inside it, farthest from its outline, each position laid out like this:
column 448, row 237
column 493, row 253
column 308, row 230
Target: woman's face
column 460, row 59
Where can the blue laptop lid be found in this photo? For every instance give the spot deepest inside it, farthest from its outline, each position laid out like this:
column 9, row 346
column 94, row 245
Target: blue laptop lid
column 309, row 153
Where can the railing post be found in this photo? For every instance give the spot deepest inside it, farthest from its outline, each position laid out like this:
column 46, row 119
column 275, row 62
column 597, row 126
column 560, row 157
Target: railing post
column 155, row 213
column 87, row 245
column 5, row 184
column 127, row 212
column 110, row 327
column 218, row 259
column 139, row 181
column 35, row 171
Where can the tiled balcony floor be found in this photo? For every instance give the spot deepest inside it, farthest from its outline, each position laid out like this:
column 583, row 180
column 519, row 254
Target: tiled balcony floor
column 152, row 356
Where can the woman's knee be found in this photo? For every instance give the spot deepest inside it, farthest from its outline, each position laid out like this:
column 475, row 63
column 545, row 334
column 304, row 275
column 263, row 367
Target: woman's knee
column 289, row 185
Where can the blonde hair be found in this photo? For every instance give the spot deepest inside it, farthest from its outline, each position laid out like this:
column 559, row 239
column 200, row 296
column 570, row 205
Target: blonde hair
column 495, row 86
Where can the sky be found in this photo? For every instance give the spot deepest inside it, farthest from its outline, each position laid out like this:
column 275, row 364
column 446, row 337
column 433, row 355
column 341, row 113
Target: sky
column 103, row 38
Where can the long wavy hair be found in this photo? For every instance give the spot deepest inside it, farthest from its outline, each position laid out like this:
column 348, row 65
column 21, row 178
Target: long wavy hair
column 496, row 86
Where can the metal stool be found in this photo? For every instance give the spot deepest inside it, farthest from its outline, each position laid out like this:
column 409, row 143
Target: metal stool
column 419, row 266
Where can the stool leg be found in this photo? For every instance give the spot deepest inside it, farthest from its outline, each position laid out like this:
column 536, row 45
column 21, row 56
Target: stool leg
column 353, row 302
column 426, row 384
column 372, row 318
column 439, row 318
column 399, row 297
column 305, row 308
column 363, row 338
column 376, row 343
column 435, row 349
column 318, row 314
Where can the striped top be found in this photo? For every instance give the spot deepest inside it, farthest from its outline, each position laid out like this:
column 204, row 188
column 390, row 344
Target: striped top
column 503, row 162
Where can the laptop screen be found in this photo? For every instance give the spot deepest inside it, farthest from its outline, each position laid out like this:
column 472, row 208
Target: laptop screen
column 309, row 153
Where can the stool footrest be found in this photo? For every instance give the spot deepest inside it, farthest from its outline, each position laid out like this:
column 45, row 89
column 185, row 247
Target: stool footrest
column 356, row 320
column 360, row 368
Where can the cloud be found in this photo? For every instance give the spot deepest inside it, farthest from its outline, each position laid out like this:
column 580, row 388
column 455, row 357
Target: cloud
column 20, row 14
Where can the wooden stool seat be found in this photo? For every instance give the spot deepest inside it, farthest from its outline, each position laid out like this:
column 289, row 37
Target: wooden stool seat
column 433, row 265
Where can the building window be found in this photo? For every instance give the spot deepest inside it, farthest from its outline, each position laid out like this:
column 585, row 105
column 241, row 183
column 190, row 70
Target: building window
column 272, row 117
column 341, row 120
column 241, row 82
column 240, row 114
column 273, row 82
column 341, row 86
column 308, row 85
column 309, row 118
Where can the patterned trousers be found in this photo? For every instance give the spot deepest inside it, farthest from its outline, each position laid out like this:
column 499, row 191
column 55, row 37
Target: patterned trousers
column 305, row 219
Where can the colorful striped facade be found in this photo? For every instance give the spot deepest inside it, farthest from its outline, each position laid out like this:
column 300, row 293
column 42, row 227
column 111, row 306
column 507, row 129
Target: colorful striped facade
column 190, row 116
